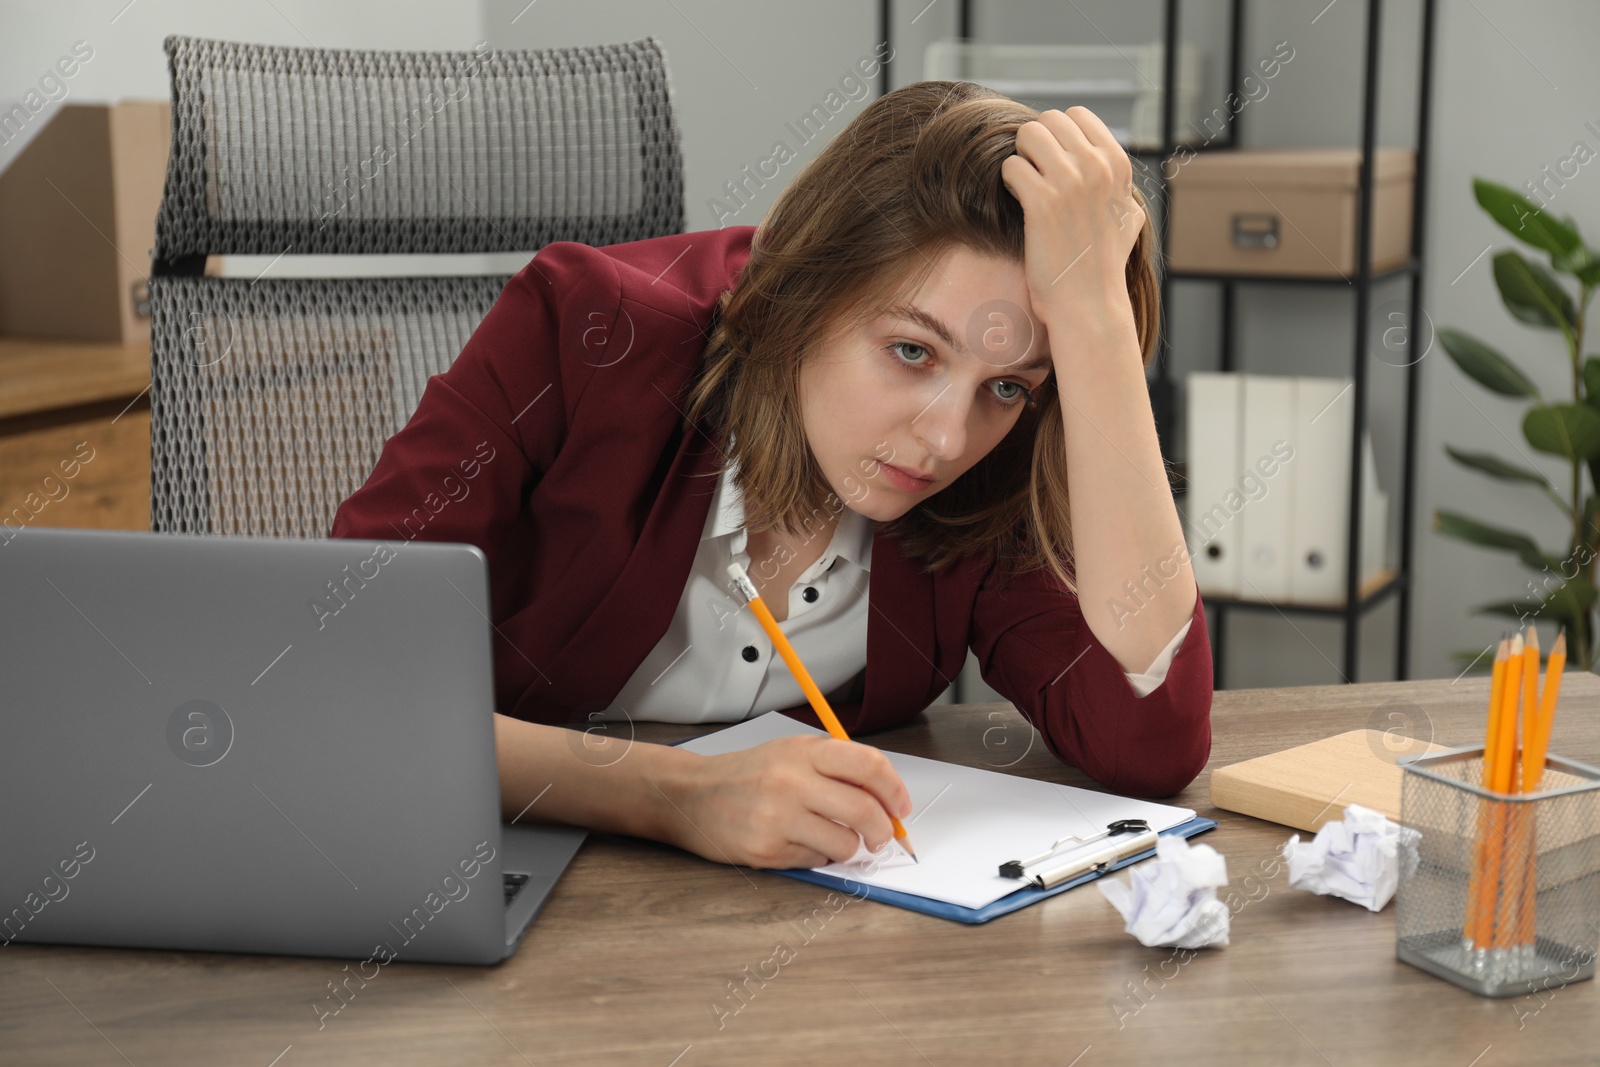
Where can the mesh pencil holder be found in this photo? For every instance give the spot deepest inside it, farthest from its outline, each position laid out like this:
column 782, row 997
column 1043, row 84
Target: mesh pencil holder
column 1501, row 891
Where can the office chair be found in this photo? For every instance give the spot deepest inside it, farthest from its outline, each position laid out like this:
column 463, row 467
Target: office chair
column 271, row 398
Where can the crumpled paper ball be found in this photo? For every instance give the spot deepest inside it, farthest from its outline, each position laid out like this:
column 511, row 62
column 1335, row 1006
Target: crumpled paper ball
column 1361, row 858
column 1171, row 901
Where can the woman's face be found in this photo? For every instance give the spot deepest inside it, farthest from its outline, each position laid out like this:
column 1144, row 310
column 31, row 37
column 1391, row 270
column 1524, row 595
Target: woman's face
column 926, row 388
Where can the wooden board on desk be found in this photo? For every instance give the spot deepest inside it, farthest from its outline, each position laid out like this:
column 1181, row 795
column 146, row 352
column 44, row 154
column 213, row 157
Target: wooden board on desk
column 42, row 376
column 74, row 435
column 92, row 474
column 1309, row 785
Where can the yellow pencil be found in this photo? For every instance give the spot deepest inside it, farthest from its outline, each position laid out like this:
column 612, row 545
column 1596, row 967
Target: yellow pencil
column 1476, row 931
column 1517, row 859
column 1510, row 713
column 1530, row 686
column 1536, row 745
column 1487, row 901
column 819, row 703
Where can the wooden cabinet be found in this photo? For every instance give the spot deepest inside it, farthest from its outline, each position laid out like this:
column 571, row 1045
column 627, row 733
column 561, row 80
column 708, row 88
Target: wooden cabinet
column 74, row 436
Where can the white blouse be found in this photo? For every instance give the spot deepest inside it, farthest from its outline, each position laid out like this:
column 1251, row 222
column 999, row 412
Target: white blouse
column 716, row 664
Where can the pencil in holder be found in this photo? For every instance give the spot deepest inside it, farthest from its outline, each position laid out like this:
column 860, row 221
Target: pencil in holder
column 1502, row 893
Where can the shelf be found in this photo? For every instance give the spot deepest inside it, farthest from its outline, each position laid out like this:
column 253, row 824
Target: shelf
column 45, row 376
column 1033, row 67
column 1123, row 84
column 1070, row 87
column 1373, row 592
column 1162, row 154
column 1409, row 267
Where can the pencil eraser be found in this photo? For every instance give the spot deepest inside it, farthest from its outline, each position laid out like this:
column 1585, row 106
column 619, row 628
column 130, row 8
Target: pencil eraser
column 742, row 582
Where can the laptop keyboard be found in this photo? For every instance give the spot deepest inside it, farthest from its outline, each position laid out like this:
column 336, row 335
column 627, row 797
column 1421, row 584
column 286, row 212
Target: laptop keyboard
column 513, row 884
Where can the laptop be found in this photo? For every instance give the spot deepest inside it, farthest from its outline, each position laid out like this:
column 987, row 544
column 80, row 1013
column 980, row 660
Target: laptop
column 238, row 744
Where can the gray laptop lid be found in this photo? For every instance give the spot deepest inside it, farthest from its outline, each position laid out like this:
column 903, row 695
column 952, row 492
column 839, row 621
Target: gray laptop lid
column 245, row 744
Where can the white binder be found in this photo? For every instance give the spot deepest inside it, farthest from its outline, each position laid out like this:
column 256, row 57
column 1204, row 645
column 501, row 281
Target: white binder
column 1321, row 490
column 1319, row 529
column 1268, row 425
column 1374, row 517
column 1213, row 424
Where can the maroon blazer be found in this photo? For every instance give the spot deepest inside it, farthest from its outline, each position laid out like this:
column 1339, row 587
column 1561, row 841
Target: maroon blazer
column 554, row 444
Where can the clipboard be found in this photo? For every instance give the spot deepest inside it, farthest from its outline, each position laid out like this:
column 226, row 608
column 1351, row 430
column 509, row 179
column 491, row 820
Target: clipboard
column 1028, row 894
column 993, row 812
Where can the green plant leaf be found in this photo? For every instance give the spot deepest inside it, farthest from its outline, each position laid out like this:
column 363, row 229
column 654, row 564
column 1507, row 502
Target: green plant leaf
column 1591, row 521
column 1486, row 366
column 1475, row 660
column 1573, row 599
column 1531, row 294
column 1589, row 274
column 1591, row 382
column 1495, row 467
column 1525, row 220
column 1463, row 528
column 1571, row 431
column 1520, row 610
column 1564, row 599
column 1482, row 662
column 1579, row 262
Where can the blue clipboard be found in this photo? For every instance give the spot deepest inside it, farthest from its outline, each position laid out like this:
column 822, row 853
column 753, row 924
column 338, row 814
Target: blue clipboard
column 1006, row 904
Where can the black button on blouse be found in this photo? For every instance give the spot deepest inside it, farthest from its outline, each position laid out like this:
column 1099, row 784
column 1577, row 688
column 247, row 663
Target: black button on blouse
column 750, row 654
column 810, row 594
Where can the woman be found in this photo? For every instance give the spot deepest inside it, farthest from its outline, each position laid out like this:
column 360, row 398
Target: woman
column 939, row 329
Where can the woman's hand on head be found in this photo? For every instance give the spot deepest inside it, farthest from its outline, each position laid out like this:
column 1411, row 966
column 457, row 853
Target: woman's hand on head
column 791, row 802
column 1075, row 185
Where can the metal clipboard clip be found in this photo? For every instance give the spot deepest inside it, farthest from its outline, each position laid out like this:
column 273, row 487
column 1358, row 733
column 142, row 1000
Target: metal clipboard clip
column 1140, row 837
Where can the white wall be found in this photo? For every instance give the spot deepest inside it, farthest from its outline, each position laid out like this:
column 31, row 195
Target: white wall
column 741, row 73
column 1517, row 84
column 128, row 62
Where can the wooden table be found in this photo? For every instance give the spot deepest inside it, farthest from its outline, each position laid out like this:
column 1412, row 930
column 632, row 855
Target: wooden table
column 74, row 435
column 635, row 951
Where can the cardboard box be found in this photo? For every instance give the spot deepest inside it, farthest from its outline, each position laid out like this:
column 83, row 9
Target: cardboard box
column 1287, row 212
column 78, row 221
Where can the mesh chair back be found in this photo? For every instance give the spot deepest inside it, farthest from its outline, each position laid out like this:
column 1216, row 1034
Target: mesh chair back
column 309, row 150
column 271, row 398
column 270, row 402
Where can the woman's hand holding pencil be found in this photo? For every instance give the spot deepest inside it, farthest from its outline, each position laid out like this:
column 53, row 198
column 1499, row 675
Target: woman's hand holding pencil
column 794, row 801
column 791, row 802
column 819, row 703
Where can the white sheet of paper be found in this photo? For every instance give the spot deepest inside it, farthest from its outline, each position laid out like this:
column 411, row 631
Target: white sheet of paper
column 965, row 822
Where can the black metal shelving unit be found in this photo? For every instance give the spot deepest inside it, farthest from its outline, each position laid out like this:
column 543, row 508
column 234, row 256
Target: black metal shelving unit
column 1399, row 583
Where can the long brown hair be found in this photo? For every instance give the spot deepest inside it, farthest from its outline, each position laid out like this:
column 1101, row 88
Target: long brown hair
column 861, row 225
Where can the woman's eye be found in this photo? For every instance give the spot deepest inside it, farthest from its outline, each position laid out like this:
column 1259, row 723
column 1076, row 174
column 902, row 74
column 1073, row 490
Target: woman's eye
column 1018, row 393
column 896, row 346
